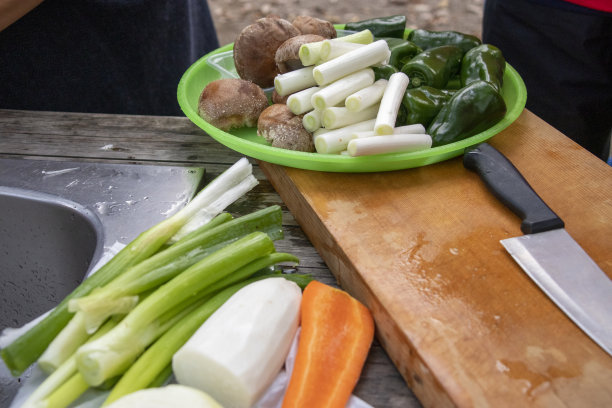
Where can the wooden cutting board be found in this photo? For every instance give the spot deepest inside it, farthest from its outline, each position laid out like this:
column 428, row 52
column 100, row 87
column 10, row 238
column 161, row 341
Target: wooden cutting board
column 462, row 322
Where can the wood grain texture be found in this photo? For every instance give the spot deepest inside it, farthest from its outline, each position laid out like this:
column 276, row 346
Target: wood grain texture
column 176, row 141
column 458, row 317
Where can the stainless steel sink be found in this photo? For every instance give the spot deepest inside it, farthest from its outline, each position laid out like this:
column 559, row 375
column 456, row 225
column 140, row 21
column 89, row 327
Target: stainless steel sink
column 47, row 247
column 59, row 220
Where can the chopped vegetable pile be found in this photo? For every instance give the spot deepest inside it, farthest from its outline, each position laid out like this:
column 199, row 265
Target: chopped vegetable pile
column 372, row 78
column 197, row 296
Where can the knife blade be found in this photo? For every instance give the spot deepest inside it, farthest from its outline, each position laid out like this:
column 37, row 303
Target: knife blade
column 546, row 252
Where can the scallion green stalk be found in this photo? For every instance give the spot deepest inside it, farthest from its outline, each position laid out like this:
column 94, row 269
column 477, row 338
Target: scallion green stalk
column 103, row 358
column 82, row 325
column 166, row 264
column 26, row 349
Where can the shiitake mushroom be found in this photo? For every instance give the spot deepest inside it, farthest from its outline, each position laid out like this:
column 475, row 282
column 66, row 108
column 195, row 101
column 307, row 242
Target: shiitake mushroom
column 283, row 129
column 255, row 49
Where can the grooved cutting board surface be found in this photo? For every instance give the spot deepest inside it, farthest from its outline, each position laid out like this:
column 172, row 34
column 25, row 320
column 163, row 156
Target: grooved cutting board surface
column 459, row 318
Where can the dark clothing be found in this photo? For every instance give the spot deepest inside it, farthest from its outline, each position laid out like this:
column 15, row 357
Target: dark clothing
column 104, row 56
column 563, row 52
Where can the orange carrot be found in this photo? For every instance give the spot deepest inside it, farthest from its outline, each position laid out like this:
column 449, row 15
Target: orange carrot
column 337, row 331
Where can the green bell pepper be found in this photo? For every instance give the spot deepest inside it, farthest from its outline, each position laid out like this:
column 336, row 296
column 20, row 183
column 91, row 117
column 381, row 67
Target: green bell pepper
column 427, row 39
column 423, row 104
column 391, row 26
column 433, row 67
column 401, row 51
column 383, row 71
column 471, row 110
column 485, row 62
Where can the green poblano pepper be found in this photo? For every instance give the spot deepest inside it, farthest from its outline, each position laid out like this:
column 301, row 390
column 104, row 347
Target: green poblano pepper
column 402, row 114
column 391, row 26
column 422, row 104
column 470, row 111
column 485, row 62
column 433, row 67
column 401, row 51
column 427, row 39
column 383, row 71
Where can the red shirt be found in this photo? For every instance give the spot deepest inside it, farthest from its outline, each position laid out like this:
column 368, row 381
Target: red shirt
column 602, row 5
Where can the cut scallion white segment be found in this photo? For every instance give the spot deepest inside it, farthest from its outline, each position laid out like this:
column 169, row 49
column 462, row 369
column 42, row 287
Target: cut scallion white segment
column 332, row 49
column 407, row 129
column 334, row 141
column 417, row 128
column 337, row 91
column 301, row 101
column 336, row 117
column 310, row 53
column 390, row 103
column 350, row 62
column 293, row 81
column 366, row 97
column 360, row 37
column 312, row 120
column 388, row 144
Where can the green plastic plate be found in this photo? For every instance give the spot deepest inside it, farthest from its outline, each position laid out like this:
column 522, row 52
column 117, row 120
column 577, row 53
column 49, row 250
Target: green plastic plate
column 246, row 141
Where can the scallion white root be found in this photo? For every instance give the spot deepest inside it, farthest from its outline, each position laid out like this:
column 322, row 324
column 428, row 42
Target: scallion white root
column 390, row 103
column 388, row 144
column 312, row 120
column 301, row 102
column 350, row 62
column 293, row 81
column 334, row 141
column 337, row 91
column 336, row 117
column 366, row 97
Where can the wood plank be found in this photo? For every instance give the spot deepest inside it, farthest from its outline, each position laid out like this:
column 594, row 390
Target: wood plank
column 461, row 321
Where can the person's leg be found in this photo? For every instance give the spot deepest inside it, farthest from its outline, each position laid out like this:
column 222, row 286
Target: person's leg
column 565, row 58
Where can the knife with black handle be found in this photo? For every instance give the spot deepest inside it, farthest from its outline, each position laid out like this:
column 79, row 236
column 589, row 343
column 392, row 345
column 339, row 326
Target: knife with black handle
column 547, row 253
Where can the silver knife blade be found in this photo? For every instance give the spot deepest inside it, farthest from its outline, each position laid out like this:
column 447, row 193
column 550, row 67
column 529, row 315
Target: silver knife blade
column 570, row 278
column 547, row 253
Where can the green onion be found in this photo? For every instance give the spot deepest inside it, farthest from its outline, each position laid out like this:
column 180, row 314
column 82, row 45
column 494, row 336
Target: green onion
column 78, row 329
column 62, row 373
column 209, row 202
column 112, row 353
column 166, row 264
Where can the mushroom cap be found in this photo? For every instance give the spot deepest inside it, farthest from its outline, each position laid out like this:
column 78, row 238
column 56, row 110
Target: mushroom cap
column 287, row 55
column 313, row 25
column 281, row 128
column 255, row 49
column 231, row 103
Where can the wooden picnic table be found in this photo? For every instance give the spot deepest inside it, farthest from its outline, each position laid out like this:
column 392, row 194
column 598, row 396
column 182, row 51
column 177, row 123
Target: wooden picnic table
column 458, row 322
